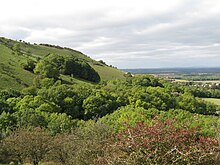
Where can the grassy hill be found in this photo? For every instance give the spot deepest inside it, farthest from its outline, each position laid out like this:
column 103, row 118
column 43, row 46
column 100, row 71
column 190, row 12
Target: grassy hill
column 12, row 74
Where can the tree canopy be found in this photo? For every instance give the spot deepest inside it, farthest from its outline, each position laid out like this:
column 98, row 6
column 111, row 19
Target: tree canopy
column 53, row 65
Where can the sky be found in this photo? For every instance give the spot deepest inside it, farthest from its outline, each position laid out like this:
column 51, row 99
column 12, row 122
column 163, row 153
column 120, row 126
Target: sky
column 123, row 33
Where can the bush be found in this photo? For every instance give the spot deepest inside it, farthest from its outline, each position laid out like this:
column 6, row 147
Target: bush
column 28, row 145
column 160, row 143
column 29, row 65
column 82, row 146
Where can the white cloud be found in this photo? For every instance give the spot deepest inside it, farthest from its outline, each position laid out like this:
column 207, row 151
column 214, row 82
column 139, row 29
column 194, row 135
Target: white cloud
column 125, row 33
column 49, row 34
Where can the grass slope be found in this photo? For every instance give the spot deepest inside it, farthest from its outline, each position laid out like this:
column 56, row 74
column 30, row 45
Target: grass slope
column 212, row 100
column 12, row 75
column 108, row 73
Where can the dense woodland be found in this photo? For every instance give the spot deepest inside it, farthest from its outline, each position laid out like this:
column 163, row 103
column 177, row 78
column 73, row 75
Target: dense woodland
column 140, row 120
column 81, row 111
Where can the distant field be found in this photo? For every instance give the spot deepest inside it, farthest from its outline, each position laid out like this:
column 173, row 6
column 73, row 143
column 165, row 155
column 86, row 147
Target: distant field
column 201, row 75
column 215, row 101
column 210, row 81
column 178, row 80
column 205, row 81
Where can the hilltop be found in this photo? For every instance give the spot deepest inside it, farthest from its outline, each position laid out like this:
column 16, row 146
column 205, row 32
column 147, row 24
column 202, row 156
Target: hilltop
column 18, row 56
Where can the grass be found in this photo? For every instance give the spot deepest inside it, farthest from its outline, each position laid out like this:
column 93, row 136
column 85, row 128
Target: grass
column 202, row 81
column 181, row 80
column 209, row 81
column 12, row 75
column 108, row 73
column 40, row 51
column 212, row 100
column 72, row 80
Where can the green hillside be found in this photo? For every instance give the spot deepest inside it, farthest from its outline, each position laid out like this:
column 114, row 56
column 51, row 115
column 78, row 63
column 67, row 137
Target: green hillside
column 61, row 103
column 14, row 54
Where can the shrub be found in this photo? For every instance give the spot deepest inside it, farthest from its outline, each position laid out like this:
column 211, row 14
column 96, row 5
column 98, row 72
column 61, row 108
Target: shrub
column 161, row 143
column 28, row 145
column 29, row 65
column 80, row 147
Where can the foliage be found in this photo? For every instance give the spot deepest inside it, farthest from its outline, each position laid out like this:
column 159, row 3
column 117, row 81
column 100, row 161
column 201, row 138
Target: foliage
column 80, row 69
column 13, row 68
column 32, row 145
column 146, row 80
column 190, row 103
column 159, row 143
column 99, row 104
column 128, row 115
column 29, row 65
column 53, row 65
column 78, row 117
column 65, row 99
column 8, row 93
column 59, row 123
column 47, row 69
column 152, row 97
column 82, row 146
column 32, row 90
column 7, row 122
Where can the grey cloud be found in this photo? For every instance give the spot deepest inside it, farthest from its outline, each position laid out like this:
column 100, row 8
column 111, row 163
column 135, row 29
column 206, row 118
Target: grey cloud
column 177, row 37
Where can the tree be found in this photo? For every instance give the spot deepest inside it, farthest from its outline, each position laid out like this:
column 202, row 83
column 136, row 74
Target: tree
column 29, row 65
column 47, row 69
column 188, row 102
column 152, row 97
column 8, row 93
column 65, row 97
column 30, row 110
column 53, row 65
column 4, row 107
column 59, row 123
column 146, row 80
column 50, row 66
column 99, row 104
column 128, row 115
column 7, row 123
column 80, row 69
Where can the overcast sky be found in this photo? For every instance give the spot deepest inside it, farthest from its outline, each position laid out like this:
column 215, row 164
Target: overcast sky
column 124, row 33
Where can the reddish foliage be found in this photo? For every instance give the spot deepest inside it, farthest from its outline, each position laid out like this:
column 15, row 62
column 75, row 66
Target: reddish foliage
column 162, row 143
